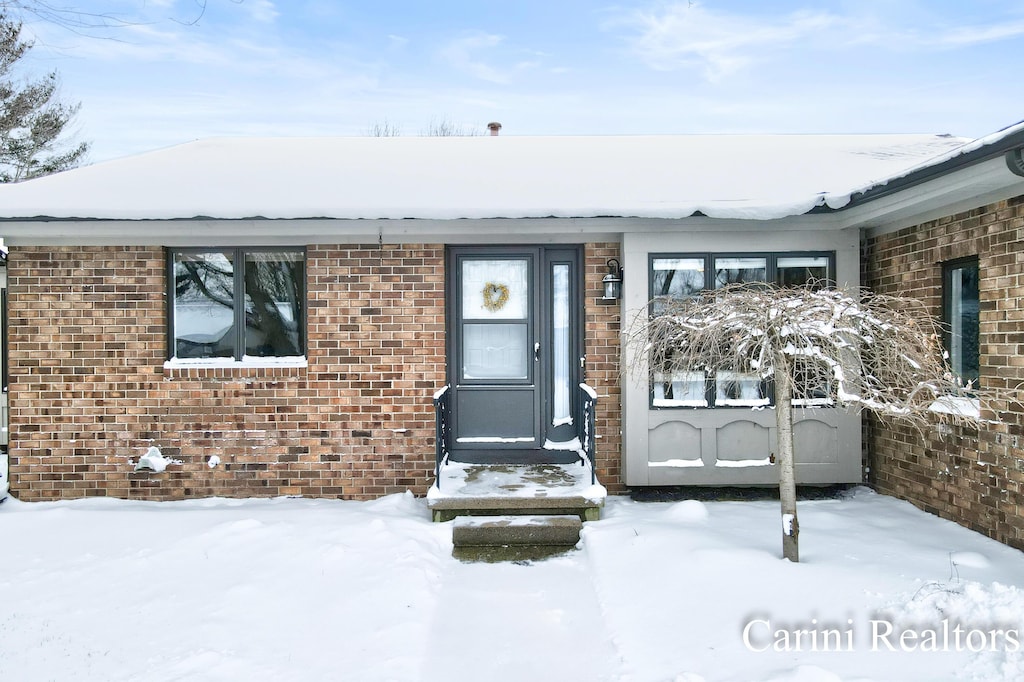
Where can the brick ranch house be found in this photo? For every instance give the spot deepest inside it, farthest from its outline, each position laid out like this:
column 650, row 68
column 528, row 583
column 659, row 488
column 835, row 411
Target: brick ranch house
column 276, row 315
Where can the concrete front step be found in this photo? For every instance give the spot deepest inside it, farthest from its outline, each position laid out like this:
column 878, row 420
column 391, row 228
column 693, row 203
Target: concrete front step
column 508, row 489
column 582, row 508
column 561, row 530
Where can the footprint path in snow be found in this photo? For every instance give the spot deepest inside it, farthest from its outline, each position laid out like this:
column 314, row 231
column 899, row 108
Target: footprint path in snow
column 479, row 627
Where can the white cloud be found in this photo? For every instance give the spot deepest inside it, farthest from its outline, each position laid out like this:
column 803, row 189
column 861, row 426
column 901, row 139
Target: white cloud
column 463, row 55
column 975, row 35
column 262, row 11
column 477, row 53
column 689, row 36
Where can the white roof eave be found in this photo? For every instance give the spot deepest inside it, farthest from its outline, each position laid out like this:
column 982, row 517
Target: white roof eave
column 945, row 195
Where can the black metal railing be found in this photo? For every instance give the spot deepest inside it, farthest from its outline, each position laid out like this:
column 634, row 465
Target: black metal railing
column 441, row 415
column 442, row 431
column 589, row 429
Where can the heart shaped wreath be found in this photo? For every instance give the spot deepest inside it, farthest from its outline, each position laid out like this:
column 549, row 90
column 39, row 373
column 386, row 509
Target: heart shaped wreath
column 495, row 296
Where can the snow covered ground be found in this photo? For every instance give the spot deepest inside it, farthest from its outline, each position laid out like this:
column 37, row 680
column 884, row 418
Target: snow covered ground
column 296, row 589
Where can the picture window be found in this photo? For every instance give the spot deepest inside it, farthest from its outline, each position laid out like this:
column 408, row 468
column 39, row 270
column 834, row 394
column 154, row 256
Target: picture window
column 681, row 276
column 238, row 304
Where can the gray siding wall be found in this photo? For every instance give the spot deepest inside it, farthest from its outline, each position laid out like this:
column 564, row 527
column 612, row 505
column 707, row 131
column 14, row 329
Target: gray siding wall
column 727, row 445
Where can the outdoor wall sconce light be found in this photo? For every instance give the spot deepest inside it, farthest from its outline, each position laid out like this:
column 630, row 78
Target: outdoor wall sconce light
column 612, row 281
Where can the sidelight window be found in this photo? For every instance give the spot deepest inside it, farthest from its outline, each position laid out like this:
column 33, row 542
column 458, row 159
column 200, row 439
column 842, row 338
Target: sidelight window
column 960, row 316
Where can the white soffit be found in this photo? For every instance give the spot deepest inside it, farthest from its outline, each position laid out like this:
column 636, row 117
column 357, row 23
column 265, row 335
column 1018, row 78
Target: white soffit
column 958, row 191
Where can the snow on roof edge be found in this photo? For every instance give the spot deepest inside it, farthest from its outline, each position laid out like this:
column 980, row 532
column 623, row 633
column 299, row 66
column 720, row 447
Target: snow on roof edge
column 838, row 201
column 777, row 204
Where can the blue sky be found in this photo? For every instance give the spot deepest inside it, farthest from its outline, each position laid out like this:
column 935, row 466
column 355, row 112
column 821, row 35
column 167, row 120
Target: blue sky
column 554, row 67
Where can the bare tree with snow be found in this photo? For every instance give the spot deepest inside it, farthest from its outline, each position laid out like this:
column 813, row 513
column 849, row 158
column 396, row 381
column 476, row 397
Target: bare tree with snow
column 815, row 347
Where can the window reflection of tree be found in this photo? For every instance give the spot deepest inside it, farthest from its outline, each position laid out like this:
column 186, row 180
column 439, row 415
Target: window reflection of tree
column 727, row 276
column 202, row 278
column 675, row 283
column 662, row 288
column 753, row 272
column 272, row 288
column 731, row 389
column 273, row 296
column 801, row 276
column 204, row 282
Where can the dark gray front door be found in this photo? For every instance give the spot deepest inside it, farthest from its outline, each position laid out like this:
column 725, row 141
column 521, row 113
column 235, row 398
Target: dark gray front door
column 514, row 352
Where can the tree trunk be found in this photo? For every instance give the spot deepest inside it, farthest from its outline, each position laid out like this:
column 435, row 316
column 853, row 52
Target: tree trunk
column 787, row 473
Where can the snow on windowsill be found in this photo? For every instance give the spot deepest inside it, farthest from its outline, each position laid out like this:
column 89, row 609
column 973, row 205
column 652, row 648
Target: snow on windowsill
column 677, row 463
column 669, row 402
column 246, row 362
column 743, row 463
column 743, row 402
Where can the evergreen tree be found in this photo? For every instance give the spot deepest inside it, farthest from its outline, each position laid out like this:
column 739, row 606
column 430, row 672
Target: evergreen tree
column 32, row 117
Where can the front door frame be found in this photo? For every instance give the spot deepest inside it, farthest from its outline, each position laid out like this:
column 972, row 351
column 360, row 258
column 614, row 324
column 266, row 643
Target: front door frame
column 544, row 260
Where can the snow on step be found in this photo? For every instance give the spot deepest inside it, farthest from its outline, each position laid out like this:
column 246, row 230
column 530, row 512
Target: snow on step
column 485, row 531
column 527, row 489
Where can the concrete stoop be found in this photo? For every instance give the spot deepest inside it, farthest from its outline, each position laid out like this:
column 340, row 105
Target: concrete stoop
column 488, row 531
column 448, row 509
column 518, row 538
column 508, row 512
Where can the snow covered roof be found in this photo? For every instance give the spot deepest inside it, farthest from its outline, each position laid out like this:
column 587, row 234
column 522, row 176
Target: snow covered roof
column 983, row 148
column 721, row 176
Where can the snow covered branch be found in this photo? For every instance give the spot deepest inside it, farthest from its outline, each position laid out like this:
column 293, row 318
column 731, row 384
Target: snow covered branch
column 860, row 350
column 812, row 346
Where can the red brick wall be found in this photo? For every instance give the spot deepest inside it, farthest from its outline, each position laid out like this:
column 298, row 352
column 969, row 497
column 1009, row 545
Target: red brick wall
column 972, row 476
column 603, row 326
column 88, row 387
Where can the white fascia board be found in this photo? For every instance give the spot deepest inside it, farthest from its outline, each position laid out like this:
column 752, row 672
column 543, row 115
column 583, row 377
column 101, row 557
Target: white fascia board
column 251, row 232
column 956, row 192
column 261, row 232
column 166, row 233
